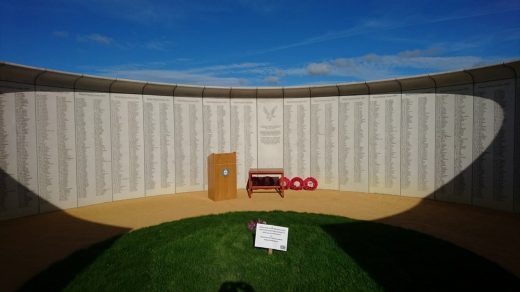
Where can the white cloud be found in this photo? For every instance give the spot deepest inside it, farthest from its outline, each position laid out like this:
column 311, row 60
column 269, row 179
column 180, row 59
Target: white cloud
column 323, row 68
column 343, row 63
column 375, row 66
column 272, row 80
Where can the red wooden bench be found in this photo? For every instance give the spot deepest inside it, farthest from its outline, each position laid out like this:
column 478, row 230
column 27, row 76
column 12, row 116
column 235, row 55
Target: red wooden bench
column 256, row 173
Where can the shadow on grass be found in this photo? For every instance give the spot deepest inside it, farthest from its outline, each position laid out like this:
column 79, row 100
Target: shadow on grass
column 235, row 287
column 61, row 273
column 409, row 260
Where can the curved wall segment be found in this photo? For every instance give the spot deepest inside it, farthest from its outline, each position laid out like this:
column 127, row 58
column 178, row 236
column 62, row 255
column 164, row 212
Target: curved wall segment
column 69, row 140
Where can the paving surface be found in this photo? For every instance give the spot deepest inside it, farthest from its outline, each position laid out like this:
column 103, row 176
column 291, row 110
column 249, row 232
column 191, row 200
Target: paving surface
column 28, row 245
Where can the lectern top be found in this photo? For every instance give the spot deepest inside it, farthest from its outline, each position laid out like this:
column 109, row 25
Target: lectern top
column 220, row 158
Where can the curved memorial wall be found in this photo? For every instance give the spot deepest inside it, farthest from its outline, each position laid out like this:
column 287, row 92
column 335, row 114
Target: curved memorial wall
column 69, row 140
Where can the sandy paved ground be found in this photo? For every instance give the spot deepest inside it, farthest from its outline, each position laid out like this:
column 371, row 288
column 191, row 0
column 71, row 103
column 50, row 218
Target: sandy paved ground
column 28, row 245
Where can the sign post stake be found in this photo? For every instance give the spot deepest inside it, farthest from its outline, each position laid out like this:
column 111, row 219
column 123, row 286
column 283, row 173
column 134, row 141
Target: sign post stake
column 270, row 251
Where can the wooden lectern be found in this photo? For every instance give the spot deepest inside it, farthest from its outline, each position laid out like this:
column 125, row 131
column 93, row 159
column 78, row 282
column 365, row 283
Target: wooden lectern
column 222, row 176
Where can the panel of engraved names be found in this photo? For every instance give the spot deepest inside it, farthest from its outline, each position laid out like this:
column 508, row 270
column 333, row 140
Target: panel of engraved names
column 127, row 146
column 18, row 165
column 493, row 144
column 353, row 143
column 216, row 129
column 418, row 143
column 93, row 147
column 324, row 141
column 188, row 144
column 517, row 149
column 270, row 132
column 56, row 148
column 384, row 140
column 453, row 143
column 159, row 156
column 243, row 136
column 297, row 137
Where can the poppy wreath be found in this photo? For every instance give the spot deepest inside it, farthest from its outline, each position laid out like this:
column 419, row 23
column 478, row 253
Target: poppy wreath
column 310, row 184
column 296, row 183
column 255, row 181
column 285, row 183
column 268, row 181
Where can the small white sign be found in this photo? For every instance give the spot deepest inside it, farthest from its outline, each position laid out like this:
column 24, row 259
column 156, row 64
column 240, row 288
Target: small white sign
column 271, row 236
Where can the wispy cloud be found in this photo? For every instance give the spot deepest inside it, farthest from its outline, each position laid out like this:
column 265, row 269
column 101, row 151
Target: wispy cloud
column 375, row 66
column 240, row 68
column 182, row 77
column 241, row 74
column 419, row 52
column 95, row 38
column 390, row 22
column 366, row 67
column 362, row 28
column 154, row 44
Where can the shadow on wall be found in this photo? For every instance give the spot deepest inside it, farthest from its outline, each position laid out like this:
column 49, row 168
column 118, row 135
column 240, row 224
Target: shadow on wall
column 482, row 154
column 58, row 234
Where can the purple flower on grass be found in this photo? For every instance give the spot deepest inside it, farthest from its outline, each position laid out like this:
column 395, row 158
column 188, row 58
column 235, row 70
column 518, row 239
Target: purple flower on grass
column 251, row 225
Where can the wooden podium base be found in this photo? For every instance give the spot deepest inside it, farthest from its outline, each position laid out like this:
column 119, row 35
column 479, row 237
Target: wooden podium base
column 222, row 176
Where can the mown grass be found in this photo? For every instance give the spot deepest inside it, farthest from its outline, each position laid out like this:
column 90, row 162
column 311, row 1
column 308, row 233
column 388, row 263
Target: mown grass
column 325, row 253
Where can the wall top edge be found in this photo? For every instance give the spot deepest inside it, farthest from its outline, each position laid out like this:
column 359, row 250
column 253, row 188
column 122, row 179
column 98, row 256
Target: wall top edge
column 353, row 89
column 216, row 92
column 270, row 92
column 243, row 92
column 41, row 76
column 414, row 83
column 125, row 86
column 386, row 86
column 493, row 72
column 297, row 92
column 324, row 91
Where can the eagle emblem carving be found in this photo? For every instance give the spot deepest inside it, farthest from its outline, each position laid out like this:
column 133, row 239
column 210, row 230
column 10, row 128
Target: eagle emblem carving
column 270, row 115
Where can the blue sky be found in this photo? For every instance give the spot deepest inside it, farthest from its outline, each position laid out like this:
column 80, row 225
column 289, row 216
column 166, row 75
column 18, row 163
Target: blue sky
column 258, row 43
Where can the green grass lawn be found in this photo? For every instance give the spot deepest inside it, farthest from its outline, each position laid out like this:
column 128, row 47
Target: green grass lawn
column 325, row 253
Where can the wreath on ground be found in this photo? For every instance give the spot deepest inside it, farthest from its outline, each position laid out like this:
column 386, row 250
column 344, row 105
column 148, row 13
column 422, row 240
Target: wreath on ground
column 296, row 183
